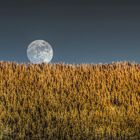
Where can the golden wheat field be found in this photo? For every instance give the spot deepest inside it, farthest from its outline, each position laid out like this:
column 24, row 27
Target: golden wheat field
column 70, row 102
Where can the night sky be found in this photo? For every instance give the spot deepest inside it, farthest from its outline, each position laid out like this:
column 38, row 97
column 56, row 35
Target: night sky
column 80, row 31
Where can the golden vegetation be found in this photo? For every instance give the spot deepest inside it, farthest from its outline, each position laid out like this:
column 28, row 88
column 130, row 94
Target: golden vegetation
column 70, row 102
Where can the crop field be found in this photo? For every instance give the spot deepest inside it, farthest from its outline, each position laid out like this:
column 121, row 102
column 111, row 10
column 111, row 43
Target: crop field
column 70, row 102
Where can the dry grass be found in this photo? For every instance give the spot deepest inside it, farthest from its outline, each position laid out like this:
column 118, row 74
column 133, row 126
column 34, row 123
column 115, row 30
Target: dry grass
column 70, row 102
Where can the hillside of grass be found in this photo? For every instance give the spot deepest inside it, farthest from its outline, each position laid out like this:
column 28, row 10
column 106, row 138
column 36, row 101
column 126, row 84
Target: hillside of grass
column 70, row 102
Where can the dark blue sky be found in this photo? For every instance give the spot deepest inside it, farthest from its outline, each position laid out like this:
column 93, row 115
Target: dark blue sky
column 80, row 31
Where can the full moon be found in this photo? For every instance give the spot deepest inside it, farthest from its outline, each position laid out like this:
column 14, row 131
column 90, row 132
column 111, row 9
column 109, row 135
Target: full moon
column 39, row 51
